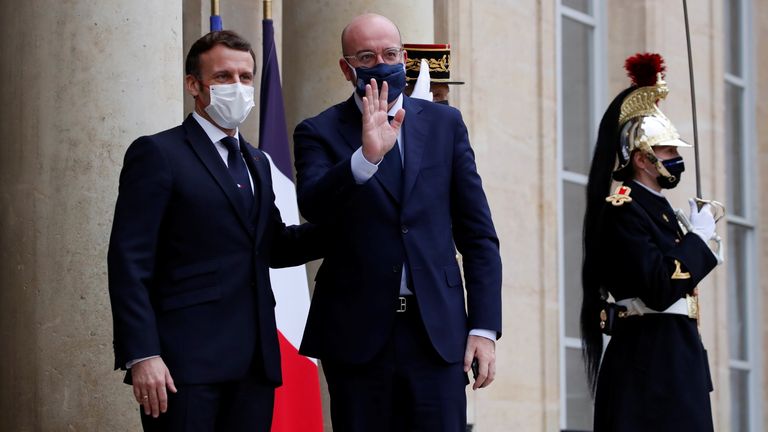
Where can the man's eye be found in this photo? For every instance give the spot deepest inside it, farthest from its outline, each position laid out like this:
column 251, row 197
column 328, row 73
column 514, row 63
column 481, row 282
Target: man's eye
column 365, row 58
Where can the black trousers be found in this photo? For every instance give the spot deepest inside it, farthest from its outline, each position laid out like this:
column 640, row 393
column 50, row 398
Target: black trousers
column 244, row 405
column 405, row 388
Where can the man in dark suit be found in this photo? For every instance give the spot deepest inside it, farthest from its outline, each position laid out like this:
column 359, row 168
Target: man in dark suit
column 388, row 317
column 194, row 233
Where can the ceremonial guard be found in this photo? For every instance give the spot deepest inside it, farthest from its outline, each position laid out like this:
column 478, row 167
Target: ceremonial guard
column 654, row 374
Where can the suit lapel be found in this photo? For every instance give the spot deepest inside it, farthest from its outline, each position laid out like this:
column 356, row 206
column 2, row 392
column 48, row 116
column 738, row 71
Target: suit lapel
column 350, row 126
column 390, row 174
column 261, row 184
column 210, row 157
column 415, row 130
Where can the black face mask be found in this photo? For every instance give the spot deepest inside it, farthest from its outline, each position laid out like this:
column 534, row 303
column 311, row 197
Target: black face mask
column 675, row 166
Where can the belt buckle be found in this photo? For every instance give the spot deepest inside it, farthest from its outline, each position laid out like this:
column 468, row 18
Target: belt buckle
column 403, row 305
column 693, row 306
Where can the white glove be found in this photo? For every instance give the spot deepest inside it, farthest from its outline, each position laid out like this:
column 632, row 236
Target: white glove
column 702, row 220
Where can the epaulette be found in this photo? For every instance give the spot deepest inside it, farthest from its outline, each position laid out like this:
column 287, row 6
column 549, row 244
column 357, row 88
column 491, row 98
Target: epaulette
column 621, row 196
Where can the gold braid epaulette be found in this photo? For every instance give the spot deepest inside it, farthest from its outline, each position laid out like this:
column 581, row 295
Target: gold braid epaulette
column 620, row 197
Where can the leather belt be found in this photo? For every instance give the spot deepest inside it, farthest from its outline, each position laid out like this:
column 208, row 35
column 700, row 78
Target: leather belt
column 405, row 304
column 688, row 306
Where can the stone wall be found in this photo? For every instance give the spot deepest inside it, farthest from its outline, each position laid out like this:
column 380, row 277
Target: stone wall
column 82, row 78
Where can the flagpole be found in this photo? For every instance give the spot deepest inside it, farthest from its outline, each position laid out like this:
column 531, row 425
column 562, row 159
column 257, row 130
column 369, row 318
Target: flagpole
column 267, row 9
column 300, row 392
column 216, row 24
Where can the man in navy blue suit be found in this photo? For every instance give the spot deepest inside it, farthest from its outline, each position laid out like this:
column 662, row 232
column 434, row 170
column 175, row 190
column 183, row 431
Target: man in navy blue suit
column 194, row 233
column 394, row 181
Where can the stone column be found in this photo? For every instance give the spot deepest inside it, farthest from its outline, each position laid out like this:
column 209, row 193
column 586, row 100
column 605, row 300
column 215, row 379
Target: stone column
column 506, row 54
column 81, row 80
column 760, row 13
column 312, row 80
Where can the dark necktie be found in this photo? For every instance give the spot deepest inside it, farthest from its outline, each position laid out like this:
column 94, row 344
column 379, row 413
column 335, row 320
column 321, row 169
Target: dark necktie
column 397, row 145
column 391, row 170
column 396, row 149
column 238, row 171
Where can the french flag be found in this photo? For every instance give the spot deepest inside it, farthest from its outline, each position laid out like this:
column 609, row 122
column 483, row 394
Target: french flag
column 297, row 402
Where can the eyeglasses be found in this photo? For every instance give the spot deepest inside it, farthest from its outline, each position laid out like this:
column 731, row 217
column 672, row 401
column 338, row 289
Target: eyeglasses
column 368, row 59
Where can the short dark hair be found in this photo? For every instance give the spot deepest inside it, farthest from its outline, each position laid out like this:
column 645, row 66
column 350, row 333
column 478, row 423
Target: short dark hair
column 227, row 38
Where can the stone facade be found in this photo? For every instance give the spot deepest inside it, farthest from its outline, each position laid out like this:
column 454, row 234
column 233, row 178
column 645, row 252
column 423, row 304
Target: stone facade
column 83, row 78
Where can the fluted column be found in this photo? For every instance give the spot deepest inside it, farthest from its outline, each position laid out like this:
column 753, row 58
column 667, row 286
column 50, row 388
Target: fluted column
column 80, row 80
column 505, row 51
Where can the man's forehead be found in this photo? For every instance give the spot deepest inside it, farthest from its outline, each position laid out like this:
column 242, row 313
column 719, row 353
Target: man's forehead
column 375, row 32
column 221, row 55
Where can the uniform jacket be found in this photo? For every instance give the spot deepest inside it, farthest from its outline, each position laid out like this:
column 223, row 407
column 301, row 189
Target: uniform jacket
column 188, row 267
column 420, row 218
column 654, row 375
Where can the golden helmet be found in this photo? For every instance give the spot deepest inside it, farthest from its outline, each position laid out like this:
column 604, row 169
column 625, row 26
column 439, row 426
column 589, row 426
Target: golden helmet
column 642, row 124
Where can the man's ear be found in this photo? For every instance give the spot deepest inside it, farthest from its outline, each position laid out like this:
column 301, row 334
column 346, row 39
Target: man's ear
column 639, row 159
column 191, row 85
column 347, row 70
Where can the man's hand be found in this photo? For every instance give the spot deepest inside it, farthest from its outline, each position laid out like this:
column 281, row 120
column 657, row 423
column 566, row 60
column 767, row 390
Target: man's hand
column 150, row 379
column 484, row 350
column 379, row 136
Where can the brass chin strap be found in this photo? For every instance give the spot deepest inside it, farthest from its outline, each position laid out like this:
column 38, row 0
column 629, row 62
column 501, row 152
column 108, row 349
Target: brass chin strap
column 662, row 170
column 644, row 147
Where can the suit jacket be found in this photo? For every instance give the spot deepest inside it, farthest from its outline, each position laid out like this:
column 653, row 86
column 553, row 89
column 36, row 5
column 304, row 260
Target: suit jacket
column 419, row 218
column 655, row 374
column 188, row 266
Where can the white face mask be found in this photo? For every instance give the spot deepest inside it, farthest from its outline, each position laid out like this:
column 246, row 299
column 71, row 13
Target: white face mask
column 230, row 104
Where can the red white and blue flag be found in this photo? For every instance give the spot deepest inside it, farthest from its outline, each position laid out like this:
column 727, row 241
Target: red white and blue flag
column 297, row 402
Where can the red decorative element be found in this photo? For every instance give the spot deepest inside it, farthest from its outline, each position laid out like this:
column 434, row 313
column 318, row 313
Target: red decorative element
column 297, row 402
column 643, row 67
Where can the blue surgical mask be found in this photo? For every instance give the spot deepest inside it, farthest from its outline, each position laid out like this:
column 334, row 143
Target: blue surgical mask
column 394, row 75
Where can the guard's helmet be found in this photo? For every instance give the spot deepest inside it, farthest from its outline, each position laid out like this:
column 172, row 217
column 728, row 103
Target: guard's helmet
column 642, row 125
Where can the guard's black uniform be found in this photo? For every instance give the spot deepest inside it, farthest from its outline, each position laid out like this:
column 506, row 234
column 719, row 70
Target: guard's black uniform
column 654, row 375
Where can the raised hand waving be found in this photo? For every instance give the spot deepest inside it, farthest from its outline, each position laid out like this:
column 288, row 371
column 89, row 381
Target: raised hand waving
column 379, row 134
